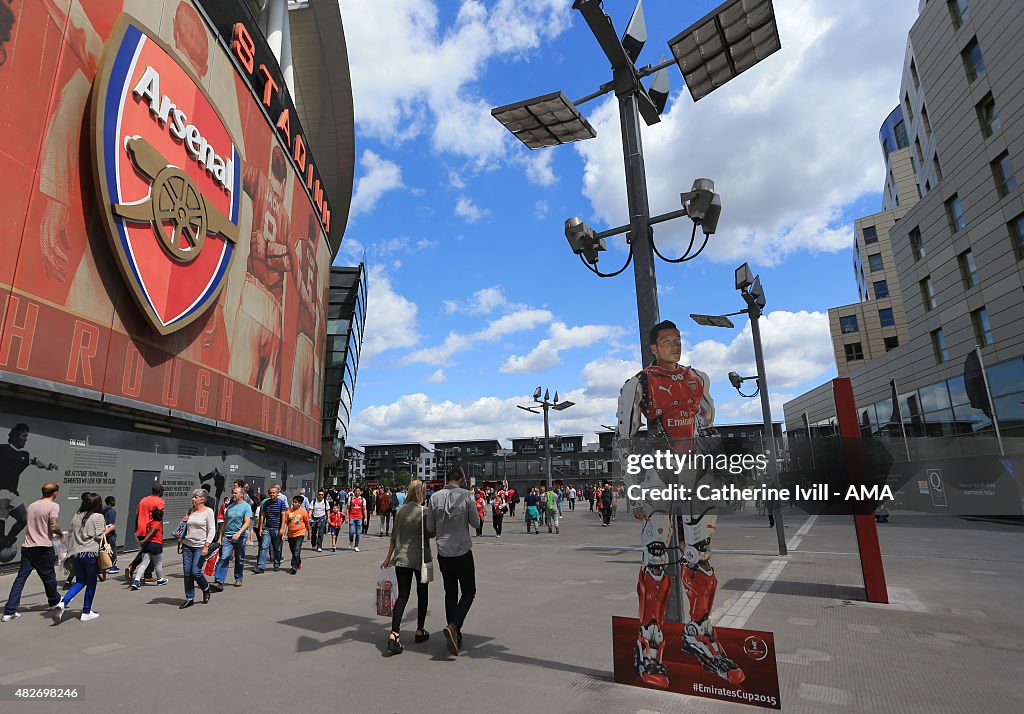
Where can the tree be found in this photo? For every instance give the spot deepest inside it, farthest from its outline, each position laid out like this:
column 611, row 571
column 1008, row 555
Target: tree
column 402, row 478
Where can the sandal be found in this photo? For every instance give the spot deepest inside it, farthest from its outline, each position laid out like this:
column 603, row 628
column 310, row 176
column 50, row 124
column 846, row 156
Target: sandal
column 395, row 645
column 421, row 637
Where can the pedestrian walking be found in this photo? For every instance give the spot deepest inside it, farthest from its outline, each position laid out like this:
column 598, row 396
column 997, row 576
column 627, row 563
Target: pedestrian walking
column 552, row 511
column 498, row 510
column 513, row 501
column 450, row 514
column 371, row 502
column 607, row 497
column 384, row 511
column 42, row 525
column 616, row 492
column 237, row 519
column 297, row 519
column 532, row 512
column 110, row 518
column 152, row 547
column 200, row 530
column 356, row 514
column 84, row 537
column 590, row 497
column 481, row 508
column 572, row 497
column 318, row 521
column 143, row 517
column 270, row 530
column 334, row 520
column 408, row 552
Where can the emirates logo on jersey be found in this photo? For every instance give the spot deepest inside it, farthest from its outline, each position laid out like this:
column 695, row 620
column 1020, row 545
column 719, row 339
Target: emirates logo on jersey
column 167, row 172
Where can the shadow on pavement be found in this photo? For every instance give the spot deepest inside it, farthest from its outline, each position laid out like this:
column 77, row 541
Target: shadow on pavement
column 824, row 591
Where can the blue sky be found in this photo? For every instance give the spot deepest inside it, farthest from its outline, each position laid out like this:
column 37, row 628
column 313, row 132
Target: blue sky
column 474, row 296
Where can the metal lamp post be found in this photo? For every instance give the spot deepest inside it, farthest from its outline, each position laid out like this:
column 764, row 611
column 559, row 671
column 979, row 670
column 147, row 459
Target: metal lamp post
column 547, row 404
column 753, row 295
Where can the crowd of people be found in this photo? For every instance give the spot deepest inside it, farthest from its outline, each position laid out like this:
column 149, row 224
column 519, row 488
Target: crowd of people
column 213, row 538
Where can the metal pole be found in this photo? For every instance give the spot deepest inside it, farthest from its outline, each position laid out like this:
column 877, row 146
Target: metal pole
column 639, row 220
column 766, row 411
column 547, row 447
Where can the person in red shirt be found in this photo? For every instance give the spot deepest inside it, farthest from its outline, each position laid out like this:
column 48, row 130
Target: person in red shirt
column 356, row 514
column 334, row 520
column 480, row 509
column 143, row 516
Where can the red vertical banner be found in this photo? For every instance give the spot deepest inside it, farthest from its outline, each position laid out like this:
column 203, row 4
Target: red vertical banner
column 853, row 455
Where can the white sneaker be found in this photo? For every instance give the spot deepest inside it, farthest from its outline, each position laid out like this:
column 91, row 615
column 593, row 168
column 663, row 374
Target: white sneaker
column 8, row 618
column 58, row 612
column 86, row 616
column 357, row 548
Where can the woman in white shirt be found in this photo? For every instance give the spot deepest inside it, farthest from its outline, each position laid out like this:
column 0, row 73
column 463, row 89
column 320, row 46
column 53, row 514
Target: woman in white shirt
column 200, row 530
column 84, row 537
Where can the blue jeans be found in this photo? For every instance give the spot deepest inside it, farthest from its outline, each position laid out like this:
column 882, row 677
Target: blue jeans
column 41, row 559
column 271, row 538
column 318, row 526
column 191, row 564
column 355, row 527
column 86, row 574
column 227, row 547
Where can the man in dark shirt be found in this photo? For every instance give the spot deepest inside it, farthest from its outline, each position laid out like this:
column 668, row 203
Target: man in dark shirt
column 269, row 529
column 110, row 518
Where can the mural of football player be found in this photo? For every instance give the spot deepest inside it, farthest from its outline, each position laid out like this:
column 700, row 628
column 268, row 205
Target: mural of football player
column 256, row 343
column 13, row 460
column 306, row 272
column 676, row 404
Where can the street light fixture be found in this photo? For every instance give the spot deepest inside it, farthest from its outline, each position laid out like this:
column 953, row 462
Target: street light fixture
column 546, row 404
column 727, row 42
column 753, row 295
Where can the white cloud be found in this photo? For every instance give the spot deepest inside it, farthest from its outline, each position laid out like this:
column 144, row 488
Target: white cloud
column 518, row 321
column 379, row 177
column 390, row 317
column 417, row 417
column 437, row 377
column 483, row 302
column 540, row 209
column 561, row 337
column 788, row 144
column 469, row 211
column 538, row 168
column 605, row 377
column 423, row 84
column 749, row 410
column 797, row 349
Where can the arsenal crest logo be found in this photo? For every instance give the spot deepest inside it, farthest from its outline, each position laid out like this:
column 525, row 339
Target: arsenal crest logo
column 167, row 174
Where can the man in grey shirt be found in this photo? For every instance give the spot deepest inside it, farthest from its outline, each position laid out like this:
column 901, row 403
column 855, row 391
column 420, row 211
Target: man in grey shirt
column 450, row 513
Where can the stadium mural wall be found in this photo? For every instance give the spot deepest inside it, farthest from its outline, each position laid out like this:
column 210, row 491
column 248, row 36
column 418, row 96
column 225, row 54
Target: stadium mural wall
column 164, row 235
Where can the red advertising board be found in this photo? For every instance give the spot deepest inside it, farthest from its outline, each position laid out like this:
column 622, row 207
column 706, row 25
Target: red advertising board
column 751, row 650
column 160, row 245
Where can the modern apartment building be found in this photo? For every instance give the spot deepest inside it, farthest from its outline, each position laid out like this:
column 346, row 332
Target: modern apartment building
column 957, row 251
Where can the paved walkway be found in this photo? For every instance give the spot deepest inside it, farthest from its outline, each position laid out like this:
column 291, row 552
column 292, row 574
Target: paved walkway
column 539, row 635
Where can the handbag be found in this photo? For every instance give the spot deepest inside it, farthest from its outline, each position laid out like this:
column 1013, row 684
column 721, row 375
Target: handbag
column 105, row 558
column 426, row 567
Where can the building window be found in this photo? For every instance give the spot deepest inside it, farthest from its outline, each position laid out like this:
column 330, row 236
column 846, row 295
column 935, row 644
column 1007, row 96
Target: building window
column 928, row 294
column 913, row 75
column 982, row 327
column 988, row 116
column 848, row 324
column 955, row 214
column 1002, row 172
column 939, row 346
column 885, row 147
column 927, row 186
column 881, row 289
column 900, row 130
column 875, row 261
column 1016, row 227
column 854, row 352
column 968, row 271
column 937, row 166
column 924, row 120
column 916, row 244
column 910, row 110
column 886, row 317
column 974, row 63
column 891, row 343
column 870, row 235
column 920, row 152
column 958, row 12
